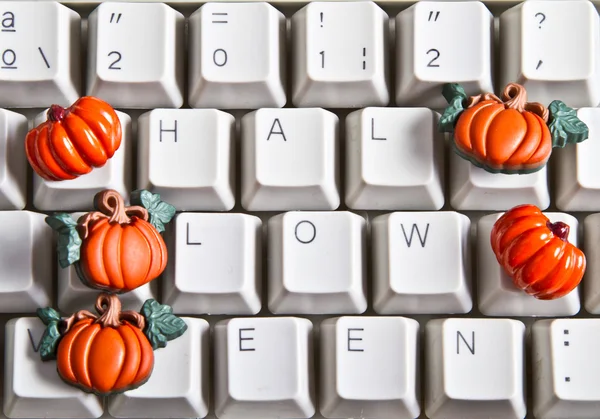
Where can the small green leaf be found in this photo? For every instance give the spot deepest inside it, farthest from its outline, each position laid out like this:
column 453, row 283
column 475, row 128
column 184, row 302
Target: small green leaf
column 161, row 324
column 48, row 315
column 565, row 127
column 455, row 96
column 69, row 242
column 160, row 212
column 51, row 336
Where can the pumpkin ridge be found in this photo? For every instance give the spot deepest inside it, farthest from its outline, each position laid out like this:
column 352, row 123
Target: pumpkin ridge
column 480, row 128
column 80, row 351
column 103, row 354
column 80, row 167
column 111, row 254
column 534, row 277
column 32, row 150
column 90, row 147
column 154, row 269
column 97, row 275
column 542, row 154
column 568, row 257
column 63, row 359
column 43, row 153
column 530, row 120
column 129, row 338
column 131, row 282
column 98, row 121
column 147, row 357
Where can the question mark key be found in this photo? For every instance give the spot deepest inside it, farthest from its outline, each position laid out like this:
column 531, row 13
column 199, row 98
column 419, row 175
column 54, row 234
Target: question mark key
column 552, row 48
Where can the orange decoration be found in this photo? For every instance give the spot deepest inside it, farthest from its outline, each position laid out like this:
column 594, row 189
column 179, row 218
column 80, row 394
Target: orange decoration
column 115, row 248
column 110, row 353
column 508, row 135
column 536, row 253
column 73, row 141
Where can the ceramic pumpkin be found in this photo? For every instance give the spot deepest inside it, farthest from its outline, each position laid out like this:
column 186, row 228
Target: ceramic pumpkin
column 111, row 352
column 536, row 253
column 508, row 135
column 116, row 248
column 74, row 140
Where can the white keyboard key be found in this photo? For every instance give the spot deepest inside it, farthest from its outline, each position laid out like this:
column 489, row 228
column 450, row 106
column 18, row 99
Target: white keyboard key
column 537, row 53
column 25, row 262
column 566, row 368
column 216, row 264
column 39, row 54
column 13, row 163
column 498, row 296
column 179, row 384
column 475, row 369
column 136, row 55
column 369, row 368
column 78, row 194
column 32, row 387
column 340, row 55
column 591, row 283
column 317, row 263
column 431, row 51
column 264, row 368
column 472, row 188
column 404, row 279
column 237, row 56
column 577, row 170
column 394, row 159
column 73, row 295
column 290, row 160
column 187, row 156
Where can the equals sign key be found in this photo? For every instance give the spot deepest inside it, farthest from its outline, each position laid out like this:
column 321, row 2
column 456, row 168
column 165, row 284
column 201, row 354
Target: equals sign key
column 222, row 18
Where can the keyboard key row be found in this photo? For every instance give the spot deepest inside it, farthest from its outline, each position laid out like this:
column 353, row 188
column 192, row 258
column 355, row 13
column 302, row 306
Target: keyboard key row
column 315, row 263
column 339, row 53
column 291, row 159
column 369, row 367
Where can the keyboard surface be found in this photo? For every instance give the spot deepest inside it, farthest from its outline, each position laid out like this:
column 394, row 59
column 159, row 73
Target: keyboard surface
column 331, row 253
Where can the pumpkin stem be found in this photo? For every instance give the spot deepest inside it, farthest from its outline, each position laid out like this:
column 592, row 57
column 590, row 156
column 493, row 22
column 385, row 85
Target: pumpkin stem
column 515, row 97
column 56, row 113
column 559, row 229
column 109, row 307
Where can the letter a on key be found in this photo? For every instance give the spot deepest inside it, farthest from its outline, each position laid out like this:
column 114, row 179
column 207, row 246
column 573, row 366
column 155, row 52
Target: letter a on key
column 279, row 132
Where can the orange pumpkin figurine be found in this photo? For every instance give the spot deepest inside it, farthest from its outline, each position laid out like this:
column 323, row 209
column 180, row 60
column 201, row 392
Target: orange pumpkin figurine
column 115, row 248
column 74, row 140
column 536, row 253
column 111, row 352
column 508, row 135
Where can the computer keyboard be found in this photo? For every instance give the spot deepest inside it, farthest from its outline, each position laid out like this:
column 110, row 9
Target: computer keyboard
column 331, row 253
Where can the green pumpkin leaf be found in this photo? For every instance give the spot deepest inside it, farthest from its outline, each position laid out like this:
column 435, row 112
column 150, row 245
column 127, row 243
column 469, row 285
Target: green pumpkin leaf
column 51, row 336
column 565, row 127
column 161, row 324
column 160, row 212
column 455, row 96
column 69, row 242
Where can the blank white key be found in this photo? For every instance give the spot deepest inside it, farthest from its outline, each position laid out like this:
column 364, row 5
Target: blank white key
column 78, row 194
column 136, row 55
column 475, row 369
column 13, row 163
column 566, row 368
column 340, row 52
column 187, row 156
column 237, row 56
column 591, row 284
column 394, row 159
column 32, row 387
column 264, row 368
column 290, row 160
column 73, row 295
column 537, row 53
column 577, row 170
column 39, row 54
column 179, row 384
column 216, row 264
column 25, row 262
column 317, row 263
column 498, row 296
column 369, row 368
column 431, row 50
column 472, row 188
column 405, row 279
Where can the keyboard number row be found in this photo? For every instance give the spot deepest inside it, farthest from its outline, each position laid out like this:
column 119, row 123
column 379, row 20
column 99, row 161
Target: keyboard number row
column 340, row 54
